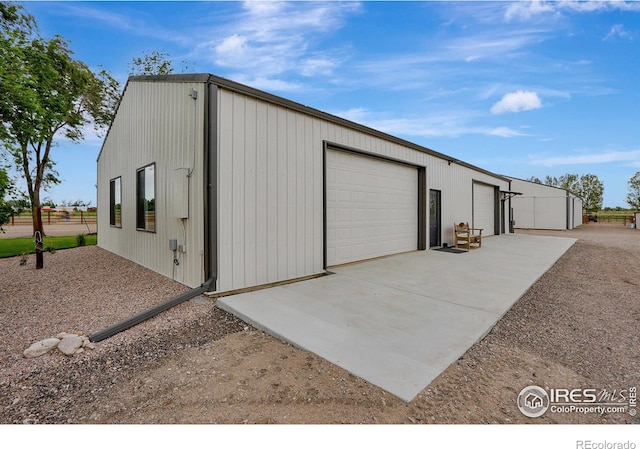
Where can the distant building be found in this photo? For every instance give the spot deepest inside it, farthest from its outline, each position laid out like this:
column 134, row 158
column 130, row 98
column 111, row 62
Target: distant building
column 544, row 207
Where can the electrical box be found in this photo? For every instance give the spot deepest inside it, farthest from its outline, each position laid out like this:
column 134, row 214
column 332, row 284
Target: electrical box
column 180, row 187
column 173, row 244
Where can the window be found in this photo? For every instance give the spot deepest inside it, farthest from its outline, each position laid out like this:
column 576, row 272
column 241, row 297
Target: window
column 115, row 203
column 145, row 198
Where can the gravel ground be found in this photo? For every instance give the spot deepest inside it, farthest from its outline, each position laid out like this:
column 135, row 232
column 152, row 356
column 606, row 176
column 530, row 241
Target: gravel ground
column 577, row 327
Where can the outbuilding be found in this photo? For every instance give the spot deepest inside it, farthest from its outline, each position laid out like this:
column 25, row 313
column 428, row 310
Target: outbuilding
column 539, row 206
column 211, row 182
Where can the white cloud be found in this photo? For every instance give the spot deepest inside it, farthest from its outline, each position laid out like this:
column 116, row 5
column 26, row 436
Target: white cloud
column 633, row 157
column 444, row 124
column 503, row 131
column 619, row 31
column 317, row 66
column 268, row 39
column 231, row 50
column 526, row 10
column 120, row 21
column 516, row 102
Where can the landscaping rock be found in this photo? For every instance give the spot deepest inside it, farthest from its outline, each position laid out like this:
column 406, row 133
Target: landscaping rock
column 41, row 347
column 70, row 344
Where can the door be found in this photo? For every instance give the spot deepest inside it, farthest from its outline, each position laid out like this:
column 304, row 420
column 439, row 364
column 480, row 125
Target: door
column 371, row 207
column 435, row 230
column 484, row 208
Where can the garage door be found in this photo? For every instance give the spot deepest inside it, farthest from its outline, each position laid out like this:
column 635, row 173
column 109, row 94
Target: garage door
column 371, row 207
column 484, row 207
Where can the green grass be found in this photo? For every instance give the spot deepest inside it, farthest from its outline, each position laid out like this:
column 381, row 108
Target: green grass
column 15, row 247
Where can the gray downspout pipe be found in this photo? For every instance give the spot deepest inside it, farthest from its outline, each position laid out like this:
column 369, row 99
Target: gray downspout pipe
column 149, row 313
column 210, row 221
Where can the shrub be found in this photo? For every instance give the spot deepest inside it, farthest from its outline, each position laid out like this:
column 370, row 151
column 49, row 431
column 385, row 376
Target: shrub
column 81, row 240
column 24, row 257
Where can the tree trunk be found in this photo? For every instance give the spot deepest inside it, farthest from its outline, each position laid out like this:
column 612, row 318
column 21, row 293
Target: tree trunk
column 39, row 236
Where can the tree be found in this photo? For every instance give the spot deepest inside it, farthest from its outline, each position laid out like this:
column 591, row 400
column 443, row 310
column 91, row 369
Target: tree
column 633, row 198
column 591, row 190
column 570, row 182
column 588, row 187
column 154, row 63
column 534, row 179
column 5, row 208
column 45, row 94
column 12, row 18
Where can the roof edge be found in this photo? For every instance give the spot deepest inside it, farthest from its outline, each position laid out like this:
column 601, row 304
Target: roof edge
column 278, row 100
column 544, row 185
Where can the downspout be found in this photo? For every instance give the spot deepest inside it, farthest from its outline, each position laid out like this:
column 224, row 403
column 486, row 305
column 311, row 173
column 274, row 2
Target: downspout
column 210, row 229
column 568, row 209
column 511, row 230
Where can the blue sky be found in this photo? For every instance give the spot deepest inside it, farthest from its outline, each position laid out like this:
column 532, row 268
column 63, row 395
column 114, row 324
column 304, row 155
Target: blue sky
column 519, row 88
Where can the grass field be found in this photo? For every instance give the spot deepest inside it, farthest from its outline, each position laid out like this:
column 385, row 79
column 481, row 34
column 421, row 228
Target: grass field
column 15, row 247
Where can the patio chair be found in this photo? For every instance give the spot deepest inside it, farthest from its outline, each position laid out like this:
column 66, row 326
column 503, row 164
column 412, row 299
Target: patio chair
column 467, row 237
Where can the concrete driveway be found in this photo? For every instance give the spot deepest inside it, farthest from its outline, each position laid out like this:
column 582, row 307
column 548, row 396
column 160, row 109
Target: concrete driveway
column 400, row 321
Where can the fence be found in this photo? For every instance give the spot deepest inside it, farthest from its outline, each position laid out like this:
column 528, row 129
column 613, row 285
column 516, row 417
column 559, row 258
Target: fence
column 612, row 218
column 54, row 217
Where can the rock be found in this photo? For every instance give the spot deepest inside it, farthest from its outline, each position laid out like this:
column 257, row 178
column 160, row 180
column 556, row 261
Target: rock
column 41, row 347
column 70, row 344
column 87, row 344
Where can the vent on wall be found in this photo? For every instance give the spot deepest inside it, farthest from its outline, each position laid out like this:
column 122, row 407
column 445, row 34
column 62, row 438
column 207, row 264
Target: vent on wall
column 180, row 185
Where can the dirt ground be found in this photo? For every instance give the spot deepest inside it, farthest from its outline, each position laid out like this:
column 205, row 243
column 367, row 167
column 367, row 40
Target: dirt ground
column 11, row 232
column 577, row 327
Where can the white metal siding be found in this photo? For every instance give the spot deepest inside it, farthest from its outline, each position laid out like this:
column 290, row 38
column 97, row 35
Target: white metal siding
column 371, row 207
column 270, row 184
column 155, row 124
column 270, row 188
column 577, row 211
column 484, row 208
column 544, row 207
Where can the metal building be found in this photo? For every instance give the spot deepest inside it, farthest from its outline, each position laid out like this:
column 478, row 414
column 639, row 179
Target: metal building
column 544, row 207
column 209, row 181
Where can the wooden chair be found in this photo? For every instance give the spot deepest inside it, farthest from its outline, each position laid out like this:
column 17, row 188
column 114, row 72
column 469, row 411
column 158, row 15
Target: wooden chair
column 466, row 237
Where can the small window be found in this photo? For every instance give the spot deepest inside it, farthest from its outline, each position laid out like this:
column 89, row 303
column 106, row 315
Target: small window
column 115, row 203
column 146, row 198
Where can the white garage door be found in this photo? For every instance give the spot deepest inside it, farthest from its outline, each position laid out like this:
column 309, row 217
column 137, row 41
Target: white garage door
column 484, row 206
column 371, row 207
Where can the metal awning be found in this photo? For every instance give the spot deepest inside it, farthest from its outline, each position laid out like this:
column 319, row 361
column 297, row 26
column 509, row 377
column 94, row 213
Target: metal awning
column 506, row 194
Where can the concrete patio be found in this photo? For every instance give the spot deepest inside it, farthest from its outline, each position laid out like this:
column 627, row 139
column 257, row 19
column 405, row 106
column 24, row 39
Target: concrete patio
column 399, row 321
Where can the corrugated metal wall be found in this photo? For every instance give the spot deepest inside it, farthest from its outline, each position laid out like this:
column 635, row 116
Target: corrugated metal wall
column 270, row 188
column 270, row 183
column 544, row 207
column 157, row 122
column 577, row 210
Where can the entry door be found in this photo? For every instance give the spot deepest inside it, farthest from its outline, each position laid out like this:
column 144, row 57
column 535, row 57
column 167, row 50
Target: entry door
column 435, row 229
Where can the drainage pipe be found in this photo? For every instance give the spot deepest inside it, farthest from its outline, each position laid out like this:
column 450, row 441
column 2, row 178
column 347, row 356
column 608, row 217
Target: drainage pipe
column 149, row 313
